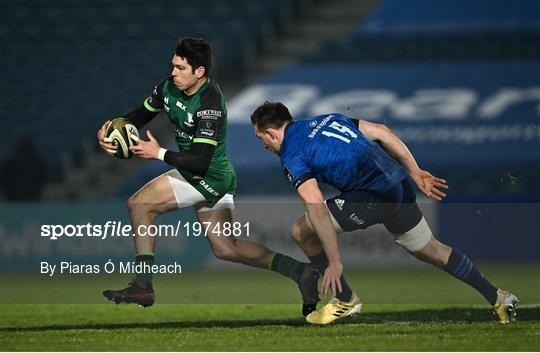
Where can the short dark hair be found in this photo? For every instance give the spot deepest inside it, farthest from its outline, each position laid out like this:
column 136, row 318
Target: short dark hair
column 196, row 51
column 271, row 114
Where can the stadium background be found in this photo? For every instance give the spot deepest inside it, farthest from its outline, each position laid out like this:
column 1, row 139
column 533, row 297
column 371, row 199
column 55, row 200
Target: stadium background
column 459, row 81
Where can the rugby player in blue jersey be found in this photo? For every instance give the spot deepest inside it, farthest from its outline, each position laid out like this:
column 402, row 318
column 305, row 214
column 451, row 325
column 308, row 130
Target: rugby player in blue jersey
column 376, row 174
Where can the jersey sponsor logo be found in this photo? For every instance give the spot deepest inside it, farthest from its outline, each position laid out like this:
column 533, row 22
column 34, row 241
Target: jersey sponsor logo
column 166, row 106
column 207, row 133
column 208, row 113
column 320, row 126
column 189, row 122
column 209, row 117
column 208, row 188
column 288, row 174
column 180, row 105
column 339, row 203
column 182, row 134
column 207, row 129
column 353, row 217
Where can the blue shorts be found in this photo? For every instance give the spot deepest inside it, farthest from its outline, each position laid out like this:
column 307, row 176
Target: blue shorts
column 396, row 209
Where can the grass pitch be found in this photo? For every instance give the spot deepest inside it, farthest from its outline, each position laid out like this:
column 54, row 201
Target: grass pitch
column 404, row 309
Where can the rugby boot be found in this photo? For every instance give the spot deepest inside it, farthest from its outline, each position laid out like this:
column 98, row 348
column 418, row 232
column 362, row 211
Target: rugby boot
column 335, row 309
column 505, row 307
column 307, row 283
column 141, row 293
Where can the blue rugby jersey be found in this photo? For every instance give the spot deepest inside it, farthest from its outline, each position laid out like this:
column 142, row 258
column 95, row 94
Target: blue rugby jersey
column 331, row 149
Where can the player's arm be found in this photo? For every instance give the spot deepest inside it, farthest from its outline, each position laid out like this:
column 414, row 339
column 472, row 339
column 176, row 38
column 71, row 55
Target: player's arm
column 139, row 117
column 151, row 107
column 195, row 160
column 198, row 157
column 426, row 182
column 320, row 219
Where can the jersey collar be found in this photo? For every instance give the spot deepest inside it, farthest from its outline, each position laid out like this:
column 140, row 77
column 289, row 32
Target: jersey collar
column 286, row 135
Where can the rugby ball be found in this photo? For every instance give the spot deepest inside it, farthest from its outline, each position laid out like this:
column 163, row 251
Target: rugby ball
column 118, row 132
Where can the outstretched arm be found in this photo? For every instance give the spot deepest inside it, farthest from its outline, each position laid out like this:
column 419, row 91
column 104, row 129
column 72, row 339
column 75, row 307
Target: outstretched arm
column 320, row 219
column 426, row 182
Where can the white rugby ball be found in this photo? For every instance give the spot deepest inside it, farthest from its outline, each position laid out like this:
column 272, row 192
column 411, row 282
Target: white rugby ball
column 118, row 132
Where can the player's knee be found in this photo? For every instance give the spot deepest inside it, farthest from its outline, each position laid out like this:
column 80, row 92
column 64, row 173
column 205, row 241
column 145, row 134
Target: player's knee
column 132, row 204
column 296, row 233
column 299, row 230
column 434, row 252
column 135, row 204
column 225, row 253
column 426, row 253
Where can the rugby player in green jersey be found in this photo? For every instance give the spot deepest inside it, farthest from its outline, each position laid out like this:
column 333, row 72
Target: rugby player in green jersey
column 202, row 176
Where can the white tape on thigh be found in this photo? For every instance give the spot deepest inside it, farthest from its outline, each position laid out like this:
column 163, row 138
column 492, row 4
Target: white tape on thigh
column 416, row 238
column 337, row 227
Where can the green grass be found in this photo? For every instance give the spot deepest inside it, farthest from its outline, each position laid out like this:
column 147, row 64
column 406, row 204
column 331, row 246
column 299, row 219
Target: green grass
column 405, row 309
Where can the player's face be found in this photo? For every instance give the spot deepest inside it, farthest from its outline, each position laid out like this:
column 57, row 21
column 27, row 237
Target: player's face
column 268, row 139
column 183, row 76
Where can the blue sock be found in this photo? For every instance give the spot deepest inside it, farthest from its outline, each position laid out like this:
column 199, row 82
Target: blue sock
column 320, row 262
column 462, row 268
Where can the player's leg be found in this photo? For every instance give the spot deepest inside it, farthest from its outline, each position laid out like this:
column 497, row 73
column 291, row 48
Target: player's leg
column 306, row 238
column 153, row 199
column 418, row 240
column 346, row 302
column 165, row 193
column 303, row 234
column 461, row 267
column 230, row 248
column 348, row 211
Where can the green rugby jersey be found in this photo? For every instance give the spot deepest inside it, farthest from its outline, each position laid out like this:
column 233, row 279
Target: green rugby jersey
column 199, row 118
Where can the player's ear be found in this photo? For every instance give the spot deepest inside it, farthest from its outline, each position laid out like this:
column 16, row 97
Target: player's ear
column 200, row 71
column 272, row 133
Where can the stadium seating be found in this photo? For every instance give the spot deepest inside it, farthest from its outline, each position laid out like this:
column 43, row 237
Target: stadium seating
column 441, row 30
column 71, row 64
column 404, row 48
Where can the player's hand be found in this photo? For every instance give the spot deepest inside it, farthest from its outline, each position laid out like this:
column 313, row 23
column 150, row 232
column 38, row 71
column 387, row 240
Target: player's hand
column 331, row 279
column 145, row 149
column 429, row 184
column 104, row 142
